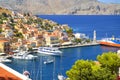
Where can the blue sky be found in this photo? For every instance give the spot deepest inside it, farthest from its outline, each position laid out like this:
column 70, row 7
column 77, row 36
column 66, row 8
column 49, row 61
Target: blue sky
column 110, row 1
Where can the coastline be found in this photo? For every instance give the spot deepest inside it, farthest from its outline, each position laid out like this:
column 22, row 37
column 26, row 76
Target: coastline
column 68, row 57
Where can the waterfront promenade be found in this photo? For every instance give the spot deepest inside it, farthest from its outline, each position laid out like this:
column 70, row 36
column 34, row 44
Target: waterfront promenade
column 79, row 45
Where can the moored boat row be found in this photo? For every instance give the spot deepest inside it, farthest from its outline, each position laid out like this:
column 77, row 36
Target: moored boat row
column 23, row 55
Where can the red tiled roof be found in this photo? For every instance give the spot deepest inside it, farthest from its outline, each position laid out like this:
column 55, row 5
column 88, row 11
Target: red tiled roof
column 3, row 41
column 5, row 75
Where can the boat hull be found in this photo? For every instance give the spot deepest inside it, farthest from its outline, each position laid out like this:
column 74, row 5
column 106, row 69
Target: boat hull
column 109, row 44
column 47, row 62
column 22, row 57
column 48, row 53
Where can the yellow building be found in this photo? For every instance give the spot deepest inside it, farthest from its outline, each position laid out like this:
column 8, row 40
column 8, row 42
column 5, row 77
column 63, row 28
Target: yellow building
column 52, row 41
column 4, row 46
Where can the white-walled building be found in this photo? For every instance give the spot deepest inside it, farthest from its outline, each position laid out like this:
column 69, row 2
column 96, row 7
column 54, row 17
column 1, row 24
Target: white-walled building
column 80, row 36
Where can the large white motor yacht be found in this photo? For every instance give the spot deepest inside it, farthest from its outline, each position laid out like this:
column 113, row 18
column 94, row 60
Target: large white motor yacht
column 49, row 51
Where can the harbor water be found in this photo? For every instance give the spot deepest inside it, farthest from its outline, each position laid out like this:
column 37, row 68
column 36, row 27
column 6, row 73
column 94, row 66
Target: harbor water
column 105, row 26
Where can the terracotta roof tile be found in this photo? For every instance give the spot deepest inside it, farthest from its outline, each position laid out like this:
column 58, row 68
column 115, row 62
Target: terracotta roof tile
column 5, row 75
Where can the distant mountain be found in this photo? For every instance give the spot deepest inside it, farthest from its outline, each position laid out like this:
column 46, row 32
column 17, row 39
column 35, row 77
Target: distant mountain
column 82, row 7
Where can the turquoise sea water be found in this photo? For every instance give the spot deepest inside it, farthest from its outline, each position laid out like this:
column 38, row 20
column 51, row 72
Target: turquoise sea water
column 104, row 25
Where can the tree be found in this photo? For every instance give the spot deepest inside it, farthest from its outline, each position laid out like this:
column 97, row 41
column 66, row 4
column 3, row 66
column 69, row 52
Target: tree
column 12, row 20
column 78, row 40
column 30, row 49
column 110, row 60
column 70, row 32
column 89, row 70
column 87, row 40
column 1, row 22
column 4, row 14
column 82, row 70
column 0, row 30
column 103, row 74
column 19, row 35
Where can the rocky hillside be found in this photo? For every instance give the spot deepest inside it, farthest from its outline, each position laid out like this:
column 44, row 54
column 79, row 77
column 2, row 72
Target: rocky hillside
column 26, row 29
column 4, row 11
column 62, row 7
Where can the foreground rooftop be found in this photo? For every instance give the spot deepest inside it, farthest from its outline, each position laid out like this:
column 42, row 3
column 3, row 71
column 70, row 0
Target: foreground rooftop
column 7, row 73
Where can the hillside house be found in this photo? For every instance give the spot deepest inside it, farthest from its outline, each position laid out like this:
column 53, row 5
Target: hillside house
column 4, row 46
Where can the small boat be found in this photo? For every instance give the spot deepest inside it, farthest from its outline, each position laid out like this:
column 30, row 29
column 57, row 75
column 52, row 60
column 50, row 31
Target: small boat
column 114, row 42
column 15, row 51
column 61, row 77
column 48, row 61
column 5, row 60
column 49, row 51
column 2, row 54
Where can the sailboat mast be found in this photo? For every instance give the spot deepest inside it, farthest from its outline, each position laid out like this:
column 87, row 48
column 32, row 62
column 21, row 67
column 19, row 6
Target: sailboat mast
column 60, row 63
column 54, row 70
column 41, row 68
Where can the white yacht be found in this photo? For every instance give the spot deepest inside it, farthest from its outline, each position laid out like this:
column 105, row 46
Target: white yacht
column 49, row 51
column 24, row 55
column 48, row 61
column 5, row 60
